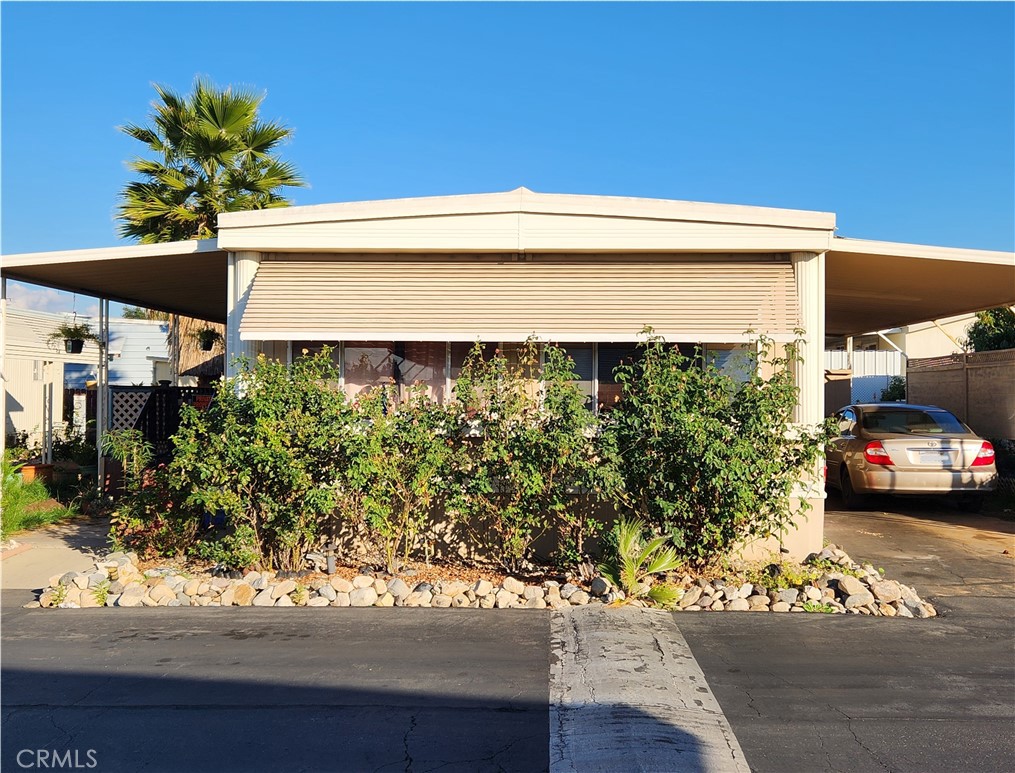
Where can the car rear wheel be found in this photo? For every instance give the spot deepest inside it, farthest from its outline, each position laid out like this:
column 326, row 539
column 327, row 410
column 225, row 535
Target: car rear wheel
column 850, row 499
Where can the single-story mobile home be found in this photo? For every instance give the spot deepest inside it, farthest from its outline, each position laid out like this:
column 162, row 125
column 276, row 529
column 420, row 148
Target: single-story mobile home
column 402, row 287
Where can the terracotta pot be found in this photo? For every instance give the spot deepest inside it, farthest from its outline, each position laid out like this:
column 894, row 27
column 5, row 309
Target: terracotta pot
column 43, row 472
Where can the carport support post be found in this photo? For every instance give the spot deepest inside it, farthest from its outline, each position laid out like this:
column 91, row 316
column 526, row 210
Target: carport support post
column 102, row 394
column 3, row 353
column 809, row 272
column 242, row 267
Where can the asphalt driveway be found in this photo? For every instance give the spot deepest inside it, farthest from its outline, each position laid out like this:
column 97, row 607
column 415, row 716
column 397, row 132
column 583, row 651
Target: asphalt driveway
column 816, row 692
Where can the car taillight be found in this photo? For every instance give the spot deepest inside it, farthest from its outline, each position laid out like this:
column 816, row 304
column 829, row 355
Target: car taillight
column 875, row 453
column 985, row 455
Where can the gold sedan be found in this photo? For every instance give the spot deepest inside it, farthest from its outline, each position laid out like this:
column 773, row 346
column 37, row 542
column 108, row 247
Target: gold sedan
column 897, row 448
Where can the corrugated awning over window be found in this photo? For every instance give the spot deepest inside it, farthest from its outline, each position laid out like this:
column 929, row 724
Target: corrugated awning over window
column 553, row 299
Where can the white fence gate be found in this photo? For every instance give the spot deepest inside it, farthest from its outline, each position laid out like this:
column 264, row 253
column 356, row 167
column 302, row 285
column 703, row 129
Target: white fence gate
column 872, row 371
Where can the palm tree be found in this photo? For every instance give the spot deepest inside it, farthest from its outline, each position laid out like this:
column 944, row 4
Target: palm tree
column 212, row 154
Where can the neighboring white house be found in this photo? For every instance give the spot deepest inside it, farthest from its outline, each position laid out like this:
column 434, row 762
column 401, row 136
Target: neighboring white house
column 38, row 372
column 875, row 357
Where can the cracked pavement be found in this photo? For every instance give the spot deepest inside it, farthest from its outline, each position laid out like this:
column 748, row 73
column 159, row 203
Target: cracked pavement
column 831, row 693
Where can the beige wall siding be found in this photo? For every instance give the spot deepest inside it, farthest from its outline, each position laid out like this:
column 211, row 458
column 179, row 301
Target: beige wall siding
column 978, row 388
column 24, row 408
column 510, row 299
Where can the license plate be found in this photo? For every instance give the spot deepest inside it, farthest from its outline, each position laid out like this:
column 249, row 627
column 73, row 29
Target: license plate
column 931, row 457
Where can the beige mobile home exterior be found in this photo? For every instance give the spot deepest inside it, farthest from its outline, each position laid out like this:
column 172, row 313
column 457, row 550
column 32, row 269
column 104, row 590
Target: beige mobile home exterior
column 401, row 287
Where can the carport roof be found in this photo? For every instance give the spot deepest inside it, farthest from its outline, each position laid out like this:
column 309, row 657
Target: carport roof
column 870, row 285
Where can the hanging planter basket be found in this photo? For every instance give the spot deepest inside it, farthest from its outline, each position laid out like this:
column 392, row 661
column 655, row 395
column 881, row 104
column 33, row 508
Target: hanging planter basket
column 73, row 345
column 207, row 338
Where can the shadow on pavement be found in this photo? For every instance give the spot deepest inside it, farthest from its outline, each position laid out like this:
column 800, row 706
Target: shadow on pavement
column 164, row 722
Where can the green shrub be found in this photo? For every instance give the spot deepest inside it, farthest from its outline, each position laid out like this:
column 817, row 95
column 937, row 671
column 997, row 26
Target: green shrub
column 710, row 461
column 22, row 505
column 237, row 549
column 269, row 453
column 895, row 391
column 399, row 459
column 530, row 456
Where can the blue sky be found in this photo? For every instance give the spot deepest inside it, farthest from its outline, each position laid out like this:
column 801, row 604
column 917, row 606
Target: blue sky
column 898, row 117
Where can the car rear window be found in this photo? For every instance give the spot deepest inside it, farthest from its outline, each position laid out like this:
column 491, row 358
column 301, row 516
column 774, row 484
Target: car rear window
column 912, row 422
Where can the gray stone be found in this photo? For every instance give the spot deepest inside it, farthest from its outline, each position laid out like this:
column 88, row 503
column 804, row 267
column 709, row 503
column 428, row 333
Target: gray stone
column 131, row 596
column 903, row 611
column 790, row 595
column 68, row 578
column 738, row 605
column 342, row 585
column 691, row 596
column 717, row 606
column 600, row 586
column 418, row 599
column 264, row 599
column 318, row 601
column 364, row 596
column 578, row 598
column 533, row 592
column 111, row 599
column 441, row 601
column 745, row 590
column 362, row 581
column 861, row 599
column 88, row 600
column 886, row 609
column 162, row 594
column 886, row 591
column 398, row 589
column 341, row 600
column 812, row 593
column 284, row 601
column 453, row 588
column 284, row 588
column 261, row 583
column 511, row 585
column 482, row 588
column 327, row 592
column 556, row 602
column 96, row 578
column 505, row 599
column 567, row 590
column 850, row 586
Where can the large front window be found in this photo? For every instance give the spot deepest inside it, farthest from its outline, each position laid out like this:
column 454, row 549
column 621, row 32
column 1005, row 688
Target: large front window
column 436, row 366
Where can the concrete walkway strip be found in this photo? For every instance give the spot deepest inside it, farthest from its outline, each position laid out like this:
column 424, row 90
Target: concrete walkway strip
column 627, row 694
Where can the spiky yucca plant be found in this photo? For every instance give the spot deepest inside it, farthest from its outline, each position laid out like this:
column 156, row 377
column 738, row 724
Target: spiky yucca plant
column 636, row 561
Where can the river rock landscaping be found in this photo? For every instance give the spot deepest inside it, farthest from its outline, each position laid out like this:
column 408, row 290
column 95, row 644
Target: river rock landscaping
column 835, row 584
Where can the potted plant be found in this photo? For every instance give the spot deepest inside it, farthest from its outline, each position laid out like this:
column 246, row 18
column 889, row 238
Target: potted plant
column 73, row 335
column 207, row 338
